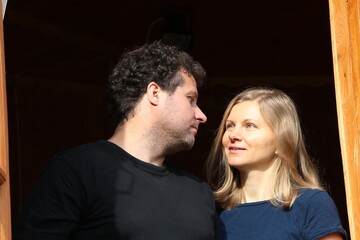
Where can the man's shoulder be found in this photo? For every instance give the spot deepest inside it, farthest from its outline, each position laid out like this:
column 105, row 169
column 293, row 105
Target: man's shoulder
column 87, row 148
column 85, row 152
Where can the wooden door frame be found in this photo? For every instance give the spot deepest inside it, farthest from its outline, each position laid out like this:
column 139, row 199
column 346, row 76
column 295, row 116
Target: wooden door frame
column 5, row 216
column 345, row 38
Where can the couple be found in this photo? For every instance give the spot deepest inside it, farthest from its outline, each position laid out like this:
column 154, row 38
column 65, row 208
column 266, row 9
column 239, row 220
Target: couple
column 122, row 188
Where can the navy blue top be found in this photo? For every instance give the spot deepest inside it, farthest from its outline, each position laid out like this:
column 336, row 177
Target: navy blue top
column 312, row 216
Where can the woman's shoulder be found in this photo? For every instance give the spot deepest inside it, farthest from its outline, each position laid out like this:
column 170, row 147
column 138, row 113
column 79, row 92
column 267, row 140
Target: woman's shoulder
column 313, row 200
column 317, row 213
column 308, row 194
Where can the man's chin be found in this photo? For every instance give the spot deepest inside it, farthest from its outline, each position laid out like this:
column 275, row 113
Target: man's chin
column 181, row 146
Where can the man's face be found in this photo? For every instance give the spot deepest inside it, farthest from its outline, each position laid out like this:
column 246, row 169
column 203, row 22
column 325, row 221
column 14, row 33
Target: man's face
column 180, row 117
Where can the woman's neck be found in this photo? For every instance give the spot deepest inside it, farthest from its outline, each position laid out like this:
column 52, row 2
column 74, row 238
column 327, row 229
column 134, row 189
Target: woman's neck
column 256, row 186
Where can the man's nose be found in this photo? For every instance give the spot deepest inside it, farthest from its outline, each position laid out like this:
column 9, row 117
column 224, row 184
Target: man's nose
column 199, row 115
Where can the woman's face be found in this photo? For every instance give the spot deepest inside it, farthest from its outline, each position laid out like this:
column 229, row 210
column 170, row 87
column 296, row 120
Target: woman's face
column 248, row 141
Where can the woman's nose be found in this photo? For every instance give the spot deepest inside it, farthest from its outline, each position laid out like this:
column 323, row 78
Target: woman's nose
column 235, row 135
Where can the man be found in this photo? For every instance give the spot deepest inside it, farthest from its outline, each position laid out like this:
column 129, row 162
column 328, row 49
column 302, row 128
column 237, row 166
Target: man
column 123, row 188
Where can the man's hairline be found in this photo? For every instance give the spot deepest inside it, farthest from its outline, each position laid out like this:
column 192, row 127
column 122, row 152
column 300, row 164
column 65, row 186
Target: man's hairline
column 179, row 73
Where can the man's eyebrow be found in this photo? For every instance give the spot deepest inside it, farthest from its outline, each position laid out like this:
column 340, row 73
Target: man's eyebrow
column 194, row 93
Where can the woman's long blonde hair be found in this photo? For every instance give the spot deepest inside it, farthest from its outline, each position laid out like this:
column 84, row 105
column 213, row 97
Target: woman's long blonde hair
column 294, row 169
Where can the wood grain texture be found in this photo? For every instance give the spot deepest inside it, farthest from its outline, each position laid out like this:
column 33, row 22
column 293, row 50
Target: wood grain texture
column 3, row 112
column 5, row 213
column 345, row 35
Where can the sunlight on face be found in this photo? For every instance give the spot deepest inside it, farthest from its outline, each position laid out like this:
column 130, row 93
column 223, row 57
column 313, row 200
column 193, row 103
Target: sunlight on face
column 248, row 141
column 180, row 117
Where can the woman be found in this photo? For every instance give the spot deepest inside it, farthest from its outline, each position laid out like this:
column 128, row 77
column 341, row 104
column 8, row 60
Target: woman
column 262, row 176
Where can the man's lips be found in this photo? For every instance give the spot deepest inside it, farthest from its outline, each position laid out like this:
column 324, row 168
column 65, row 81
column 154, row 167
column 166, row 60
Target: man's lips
column 195, row 127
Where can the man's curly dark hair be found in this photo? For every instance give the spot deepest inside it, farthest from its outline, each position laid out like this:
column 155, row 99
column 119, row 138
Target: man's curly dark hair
column 154, row 62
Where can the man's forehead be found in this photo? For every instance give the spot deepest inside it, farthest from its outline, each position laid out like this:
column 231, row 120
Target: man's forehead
column 188, row 77
column 189, row 83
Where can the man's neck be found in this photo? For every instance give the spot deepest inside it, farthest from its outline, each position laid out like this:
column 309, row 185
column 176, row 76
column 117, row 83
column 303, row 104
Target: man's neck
column 135, row 141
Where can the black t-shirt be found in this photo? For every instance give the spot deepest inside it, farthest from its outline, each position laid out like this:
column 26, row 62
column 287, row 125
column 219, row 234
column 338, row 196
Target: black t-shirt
column 99, row 191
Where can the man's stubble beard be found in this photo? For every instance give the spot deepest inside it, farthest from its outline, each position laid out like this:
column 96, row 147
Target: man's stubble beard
column 172, row 141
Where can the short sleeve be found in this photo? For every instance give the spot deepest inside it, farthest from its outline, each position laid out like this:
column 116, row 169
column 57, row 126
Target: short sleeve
column 54, row 207
column 321, row 217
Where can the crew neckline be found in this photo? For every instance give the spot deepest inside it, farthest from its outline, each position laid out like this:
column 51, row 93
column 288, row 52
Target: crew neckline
column 148, row 167
column 252, row 203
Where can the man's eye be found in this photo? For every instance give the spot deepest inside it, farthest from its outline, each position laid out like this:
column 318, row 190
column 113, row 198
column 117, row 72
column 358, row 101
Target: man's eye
column 191, row 99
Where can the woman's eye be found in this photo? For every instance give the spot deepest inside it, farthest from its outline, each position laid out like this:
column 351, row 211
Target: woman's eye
column 250, row 125
column 229, row 126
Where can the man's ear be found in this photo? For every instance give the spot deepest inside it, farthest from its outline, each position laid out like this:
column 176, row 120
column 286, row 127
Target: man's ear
column 153, row 92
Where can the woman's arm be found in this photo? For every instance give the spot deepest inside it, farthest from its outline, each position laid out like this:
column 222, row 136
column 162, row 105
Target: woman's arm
column 332, row 236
